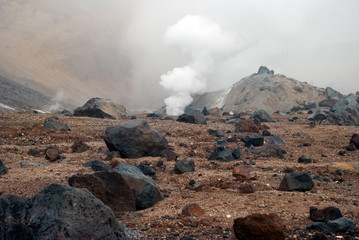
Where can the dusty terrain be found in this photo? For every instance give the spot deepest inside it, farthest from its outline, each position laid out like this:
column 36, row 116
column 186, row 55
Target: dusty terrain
column 219, row 198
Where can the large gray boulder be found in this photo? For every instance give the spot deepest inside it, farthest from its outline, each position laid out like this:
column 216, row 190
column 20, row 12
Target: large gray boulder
column 58, row 212
column 195, row 118
column 262, row 116
column 135, row 139
column 54, row 124
column 101, row 108
column 110, row 187
column 146, row 191
column 296, row 181
column 330, row 93
column 345, row 111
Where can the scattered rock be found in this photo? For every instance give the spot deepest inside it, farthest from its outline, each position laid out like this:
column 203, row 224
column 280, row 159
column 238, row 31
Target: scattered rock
column 259, row 227
column 345, row 111
column 355, row 140
column 324, row 214
column 196, row 118
column 246, row 188
column 58, row 212
column 215, row 133
column 266, row 133
column 341, row 167
column 262, row 116
column 97, row 165
column 53, row 124
column 109, row 187
column 339, row 225
column 221, row 142
column 275, row 140
column 236, row 153
column 79, row 146
column 146, row 191
column 342, row 153
column 184, row 165
column 318, row 115
column 169, row 155
column 272, row 150
column 247, row 126
column 30, row 164
column 3, row 168
column 244, row 172
column 52, row 153
column 134, row 139
column 351, row 147
column 221, row 154
column 195, row 185
column 192, row 210
column 253, row 140
column 304, row 159
column 310, row 105
column 296, row 181
column 33, row 152
column 101, row 108
column 147, row 170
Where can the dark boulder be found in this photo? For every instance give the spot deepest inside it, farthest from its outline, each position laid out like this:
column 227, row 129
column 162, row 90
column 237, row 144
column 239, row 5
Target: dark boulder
column 195, row 118
column 221, row 154
column 319, row 115
column 345, row 111
column 109, row 187
column 146, row 191
column 265, row 70
column 215, row 133
column 247, row 126
column 3, row 168
column 275, row 140
column 272, row 150
column 184, row 165
column 53, row 124
column 296, row 181
column 97, row 165
column 310, row 105
column 266, row 133
column 330, row 93
column 58, row 212
column 134, row 139
column 324, row 214
column 304, row 159
column 101, row 108
column 147, row 170
column 236, row 153
column 336, row 226
column 79, row 146
column 253, row 140
column 259, row 227
column 262, row 116
column 355, row 140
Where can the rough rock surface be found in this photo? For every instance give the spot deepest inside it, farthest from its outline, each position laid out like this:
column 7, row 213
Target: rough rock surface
column 262, row 116
column 355, row 139
column 244, row 172
column 339, row 225
column 3, row 168
column 146, row 191
column 324, row 214
column 296, row 181
column 109, row 187
column 134, row 139
column 253, row 140
column 195, row 118
column 58, row 212
column 53, row 124
column 184, row 165
column 272, row 150
column 97, row 165
column 101, row 108
column 247, row 126
column 221, row 154
column 259, row 227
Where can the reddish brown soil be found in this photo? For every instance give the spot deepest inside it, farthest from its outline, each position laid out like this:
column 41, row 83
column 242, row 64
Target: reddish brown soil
column 219, row 198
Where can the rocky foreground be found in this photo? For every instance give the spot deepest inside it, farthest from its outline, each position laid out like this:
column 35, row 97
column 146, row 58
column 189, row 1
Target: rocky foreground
column 209, row 177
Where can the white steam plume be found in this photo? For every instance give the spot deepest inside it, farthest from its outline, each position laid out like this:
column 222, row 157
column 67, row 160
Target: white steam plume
column 205, row 42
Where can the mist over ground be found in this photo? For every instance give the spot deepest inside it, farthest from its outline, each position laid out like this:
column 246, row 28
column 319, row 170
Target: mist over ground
column 118, row 49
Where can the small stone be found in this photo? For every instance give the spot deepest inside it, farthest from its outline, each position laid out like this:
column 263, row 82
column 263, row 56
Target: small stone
column 195, row 185
column 221, row 142
column 184, row 165
column 247, row 126
column 79, row 146
column 266, row 133
column 253, row 140
column 342, row 153
column 247, row 188
column 215, row 133
column 221, row 154
column 33, row 152
column 324, row 214
column 304, row 159
column 244, row 172
column 351, row 147
column 3, row 168
column 52, row 154
column 97, row 165
column 236, row 153
column 192, row 210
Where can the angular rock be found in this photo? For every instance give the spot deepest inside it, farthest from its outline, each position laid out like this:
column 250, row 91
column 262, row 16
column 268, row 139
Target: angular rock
column 339, row 225
column 30, row 164
column 195, row 118
column 110, row 187
column 355, row 140
column 79, row 146
column 275, row 140
column 215, row 133
column 184, row 165
column 351, row 147
column 272, row 150
column 53, row 124
column 253, row 140
column 310, row 105
column 97, row 165
column 296, row 181
column 135, row 139
column 221, row 154
column 324, row 214
column 192, row 210
column 236, row 153
column 195, row 185
column 266, row 133
column 101, row 108
column 328, row 103
column 244, row 172
column 3, row 168
column 262, row 116
column 265, row 70
column 146, row 191
column 147, row 170
column 247, row 188
column 221, row 142
column 58, row 212
column 318, row 115
column 345, row 111
column 169, row 155
column 330, row 93
column 52, row 154
column 304, row 159
column 33, row 152
column 259, row 227
column 247, row 126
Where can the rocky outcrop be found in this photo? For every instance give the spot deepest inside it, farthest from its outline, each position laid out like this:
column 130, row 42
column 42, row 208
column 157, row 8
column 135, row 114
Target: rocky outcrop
column 58, row 212
column 101, row 108
column 134, row 139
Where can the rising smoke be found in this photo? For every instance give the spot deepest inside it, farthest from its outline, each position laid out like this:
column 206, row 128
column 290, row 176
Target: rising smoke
column 205, row 42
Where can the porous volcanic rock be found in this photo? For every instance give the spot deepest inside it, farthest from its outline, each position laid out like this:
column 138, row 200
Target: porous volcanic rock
column 134, row 139
column 58, row 212
column 109, row 187
column 259, row 227
column 296, row 181
column 101, row 108
column 146, row 191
